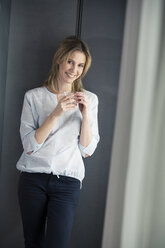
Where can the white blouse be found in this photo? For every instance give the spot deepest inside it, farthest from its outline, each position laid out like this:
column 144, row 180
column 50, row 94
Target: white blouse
column 61, row 153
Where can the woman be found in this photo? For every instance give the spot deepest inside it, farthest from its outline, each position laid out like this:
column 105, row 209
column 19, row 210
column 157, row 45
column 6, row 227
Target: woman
column 58, row 127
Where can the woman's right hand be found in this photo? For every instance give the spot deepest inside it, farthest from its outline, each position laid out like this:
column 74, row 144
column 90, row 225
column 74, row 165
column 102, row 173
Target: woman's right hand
column 65, row 103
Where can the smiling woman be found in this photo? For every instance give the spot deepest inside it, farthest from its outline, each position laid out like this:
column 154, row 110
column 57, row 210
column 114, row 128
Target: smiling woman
column 71, row 69
column 56, row 131
column 69, row 49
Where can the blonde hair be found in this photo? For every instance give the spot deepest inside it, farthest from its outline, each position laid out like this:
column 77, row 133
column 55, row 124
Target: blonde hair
column 64, row 50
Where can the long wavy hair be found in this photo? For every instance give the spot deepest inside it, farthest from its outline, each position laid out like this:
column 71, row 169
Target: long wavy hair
column 63, row 51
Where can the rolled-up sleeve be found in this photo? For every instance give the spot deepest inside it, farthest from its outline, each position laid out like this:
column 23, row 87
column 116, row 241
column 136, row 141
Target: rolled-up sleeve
column 89, row 150
column 28, row 126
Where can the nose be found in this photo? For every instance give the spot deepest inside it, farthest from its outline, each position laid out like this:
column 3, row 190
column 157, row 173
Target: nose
column 74, row 69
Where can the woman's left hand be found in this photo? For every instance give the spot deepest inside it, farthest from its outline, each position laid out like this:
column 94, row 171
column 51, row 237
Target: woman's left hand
column 83, row 102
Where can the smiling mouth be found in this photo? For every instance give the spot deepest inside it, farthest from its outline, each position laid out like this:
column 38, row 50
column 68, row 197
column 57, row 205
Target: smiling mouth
column 70, row 75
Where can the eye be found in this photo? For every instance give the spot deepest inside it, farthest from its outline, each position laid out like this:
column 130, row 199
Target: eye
column 81, row 65
column 70, row 61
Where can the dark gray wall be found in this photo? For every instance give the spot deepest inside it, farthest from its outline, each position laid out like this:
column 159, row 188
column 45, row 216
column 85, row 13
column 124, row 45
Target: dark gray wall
column 36, row 27
column 4, row 38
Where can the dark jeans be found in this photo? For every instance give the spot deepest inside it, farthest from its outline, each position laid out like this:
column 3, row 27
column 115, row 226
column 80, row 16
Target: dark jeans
column 48, row 205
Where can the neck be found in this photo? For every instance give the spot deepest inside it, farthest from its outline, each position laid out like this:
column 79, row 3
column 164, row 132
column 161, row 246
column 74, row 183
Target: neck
column 64, row 87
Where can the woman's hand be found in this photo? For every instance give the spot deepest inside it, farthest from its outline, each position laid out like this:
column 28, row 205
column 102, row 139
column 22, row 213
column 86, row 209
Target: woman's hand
column 65, row 103
column 83, row 103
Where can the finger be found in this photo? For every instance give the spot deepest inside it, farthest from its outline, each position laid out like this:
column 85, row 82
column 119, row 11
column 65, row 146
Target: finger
column 71, row 106
column 79, row 93
column 82, row 100
column 66, row 98
column 71, row 101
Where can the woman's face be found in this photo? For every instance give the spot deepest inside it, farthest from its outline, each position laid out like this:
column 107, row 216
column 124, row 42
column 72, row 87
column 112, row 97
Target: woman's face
column 72, row 68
